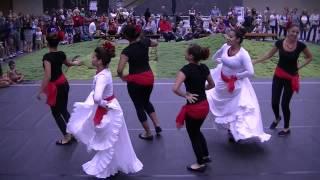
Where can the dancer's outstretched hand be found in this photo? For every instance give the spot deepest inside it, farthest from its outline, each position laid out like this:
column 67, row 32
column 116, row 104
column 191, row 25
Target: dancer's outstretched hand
column 191, row 98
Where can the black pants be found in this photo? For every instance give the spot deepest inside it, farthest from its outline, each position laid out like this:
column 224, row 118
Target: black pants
column 274, row 30
column 198, row 141
column 60, row 111
column 303, row 33
column 281, row 28
column 314, row 28
column 140, row 96
column 278, row 86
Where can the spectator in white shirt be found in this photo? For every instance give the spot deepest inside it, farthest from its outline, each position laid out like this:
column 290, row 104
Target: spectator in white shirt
column 273, row 23
column 314, row 23
column 92, row 29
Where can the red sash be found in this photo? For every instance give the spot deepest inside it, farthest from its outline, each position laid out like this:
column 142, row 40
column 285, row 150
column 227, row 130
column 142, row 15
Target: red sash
column 230, row 81
column 101, row 111
column 295, row 85
column 196, row 111
column 51, row 90
column 144, row 79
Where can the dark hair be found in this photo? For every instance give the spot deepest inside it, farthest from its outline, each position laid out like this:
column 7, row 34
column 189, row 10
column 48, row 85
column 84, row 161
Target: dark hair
column 104, row 54
column 53, row 39
column 240, row 32
column 291, row 25
column 11, row 63
column 198, row 52
column 131, row 32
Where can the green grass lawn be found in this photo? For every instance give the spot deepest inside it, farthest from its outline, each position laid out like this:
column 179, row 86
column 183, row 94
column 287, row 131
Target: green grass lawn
column 170, row 59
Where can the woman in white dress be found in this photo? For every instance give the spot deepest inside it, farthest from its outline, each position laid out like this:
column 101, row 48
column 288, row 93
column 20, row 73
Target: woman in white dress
column 99, row 124
column 233, row 101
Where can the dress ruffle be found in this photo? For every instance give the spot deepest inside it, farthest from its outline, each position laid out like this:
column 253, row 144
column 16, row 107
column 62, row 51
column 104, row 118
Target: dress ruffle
column 238, row 111
column 110, row 139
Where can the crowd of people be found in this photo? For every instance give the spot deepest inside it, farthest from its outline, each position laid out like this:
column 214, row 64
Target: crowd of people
column 21, row 33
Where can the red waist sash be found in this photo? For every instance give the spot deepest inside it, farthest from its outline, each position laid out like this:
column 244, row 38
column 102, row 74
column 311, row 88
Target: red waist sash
column 294, row 79
column 197, row 111
column 230, row 81
column 101, row 111
column 144, row 79
column 51, row 90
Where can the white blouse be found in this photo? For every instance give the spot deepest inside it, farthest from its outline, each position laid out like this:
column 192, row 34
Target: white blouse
column 102, row 87
column 239, row 65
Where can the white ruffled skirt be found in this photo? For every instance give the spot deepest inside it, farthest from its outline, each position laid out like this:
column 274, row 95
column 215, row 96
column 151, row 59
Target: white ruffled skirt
column 110, row 139
column 238, row 111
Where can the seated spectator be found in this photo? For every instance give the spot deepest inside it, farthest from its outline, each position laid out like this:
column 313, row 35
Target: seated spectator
column 13, row 74
column 4, row 81
column 93, row 28
column 221, row 28
column 166, row 29
column 150, row 27
column 113, row 27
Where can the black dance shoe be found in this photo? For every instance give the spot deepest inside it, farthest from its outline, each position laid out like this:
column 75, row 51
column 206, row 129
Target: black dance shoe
column 61, row 143
column 202, row 168
column 275, row 123
column 158, row 130
column 284, row 133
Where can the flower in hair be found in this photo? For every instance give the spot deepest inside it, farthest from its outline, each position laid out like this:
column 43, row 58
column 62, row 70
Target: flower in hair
column 108, row 46
column 138, row 29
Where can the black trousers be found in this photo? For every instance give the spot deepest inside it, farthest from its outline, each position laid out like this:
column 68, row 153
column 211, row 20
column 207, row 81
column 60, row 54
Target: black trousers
column 281, row 86
column 281, row 28
column 198, row 141
column 60, row 111
column 274, row 30
column 314, row 28
column 140, row 95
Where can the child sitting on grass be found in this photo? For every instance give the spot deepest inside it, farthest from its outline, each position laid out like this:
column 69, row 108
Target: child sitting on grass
column 13, row 74
column 4, row 81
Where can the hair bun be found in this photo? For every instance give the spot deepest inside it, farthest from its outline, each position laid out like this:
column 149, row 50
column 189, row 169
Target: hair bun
column 110, row 48
column 205, row 53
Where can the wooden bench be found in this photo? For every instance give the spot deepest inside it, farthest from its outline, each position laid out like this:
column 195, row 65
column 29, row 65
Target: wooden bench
column 262, row 36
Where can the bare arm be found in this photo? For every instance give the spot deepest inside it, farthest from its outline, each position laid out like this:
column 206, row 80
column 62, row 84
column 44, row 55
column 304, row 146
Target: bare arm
column 73, row 62
column 267, row 56
column 122, row 64
column 307, row 58
column 46, row 77
column 210, row 84
column 176, row 87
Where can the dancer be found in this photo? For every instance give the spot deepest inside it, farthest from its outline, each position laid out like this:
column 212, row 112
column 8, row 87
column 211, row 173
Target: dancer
column 55, row 84
column 194, row 75
column 140, row 79
column 98, row 122
column 233, row 101
column 286, row 76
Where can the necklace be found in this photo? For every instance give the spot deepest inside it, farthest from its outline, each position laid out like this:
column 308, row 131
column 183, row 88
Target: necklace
column 287, row 45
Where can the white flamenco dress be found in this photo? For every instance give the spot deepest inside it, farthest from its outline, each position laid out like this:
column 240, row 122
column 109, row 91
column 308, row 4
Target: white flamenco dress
column 110, row 138
column 238, row 110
